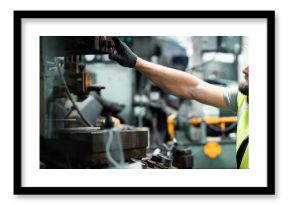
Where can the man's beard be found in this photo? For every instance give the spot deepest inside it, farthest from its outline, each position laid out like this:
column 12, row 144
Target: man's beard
column 244, row 88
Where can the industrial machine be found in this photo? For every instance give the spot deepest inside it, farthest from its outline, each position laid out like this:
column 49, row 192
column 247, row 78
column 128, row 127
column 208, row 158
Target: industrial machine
column 78, row 127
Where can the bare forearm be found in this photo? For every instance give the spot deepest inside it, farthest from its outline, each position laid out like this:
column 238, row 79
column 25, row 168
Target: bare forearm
column 180, row 83
column 170, row 80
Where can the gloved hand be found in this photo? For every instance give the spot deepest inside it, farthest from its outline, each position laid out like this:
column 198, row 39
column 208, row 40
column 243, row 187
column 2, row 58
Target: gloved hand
column 123, row 55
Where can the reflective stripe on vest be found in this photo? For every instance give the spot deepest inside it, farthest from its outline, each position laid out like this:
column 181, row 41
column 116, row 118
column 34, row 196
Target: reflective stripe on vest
column 243, row 128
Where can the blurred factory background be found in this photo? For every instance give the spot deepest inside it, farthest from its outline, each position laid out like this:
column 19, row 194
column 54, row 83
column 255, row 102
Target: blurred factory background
column 97, row 114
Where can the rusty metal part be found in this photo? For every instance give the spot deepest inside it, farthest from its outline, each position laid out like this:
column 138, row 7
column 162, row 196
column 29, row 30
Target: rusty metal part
column 89, row 144
column 96, row 138
column 159, row 161
column 99, row 160
column 78, row 80
column 183, row 158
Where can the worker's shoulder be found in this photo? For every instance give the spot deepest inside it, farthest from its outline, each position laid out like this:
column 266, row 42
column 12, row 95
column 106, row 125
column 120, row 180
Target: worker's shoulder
column 231, row 91
column 230, row 97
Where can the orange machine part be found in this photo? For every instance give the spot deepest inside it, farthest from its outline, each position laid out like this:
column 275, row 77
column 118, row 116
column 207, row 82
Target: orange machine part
column 212, row 149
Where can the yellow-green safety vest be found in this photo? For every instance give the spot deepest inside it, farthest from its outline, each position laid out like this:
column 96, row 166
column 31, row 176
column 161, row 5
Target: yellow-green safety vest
column 243, row 129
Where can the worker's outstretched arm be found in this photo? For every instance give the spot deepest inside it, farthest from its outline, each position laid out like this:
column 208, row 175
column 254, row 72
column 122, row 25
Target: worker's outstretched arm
column 170, row 80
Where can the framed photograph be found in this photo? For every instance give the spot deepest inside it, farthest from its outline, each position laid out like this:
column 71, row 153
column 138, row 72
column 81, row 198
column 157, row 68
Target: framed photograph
column 114, row 102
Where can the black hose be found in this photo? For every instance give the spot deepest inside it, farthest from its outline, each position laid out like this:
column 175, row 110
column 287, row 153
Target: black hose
column 215, row 128
column 219, row 130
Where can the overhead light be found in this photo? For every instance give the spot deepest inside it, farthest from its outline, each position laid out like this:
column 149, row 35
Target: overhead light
column 222, row 57
column 89, row 58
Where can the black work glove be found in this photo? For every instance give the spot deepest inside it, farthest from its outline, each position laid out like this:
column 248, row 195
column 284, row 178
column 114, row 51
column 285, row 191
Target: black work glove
column 123, row 55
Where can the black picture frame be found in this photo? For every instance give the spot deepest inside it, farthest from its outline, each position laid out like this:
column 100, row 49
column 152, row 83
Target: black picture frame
column 19, row 189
